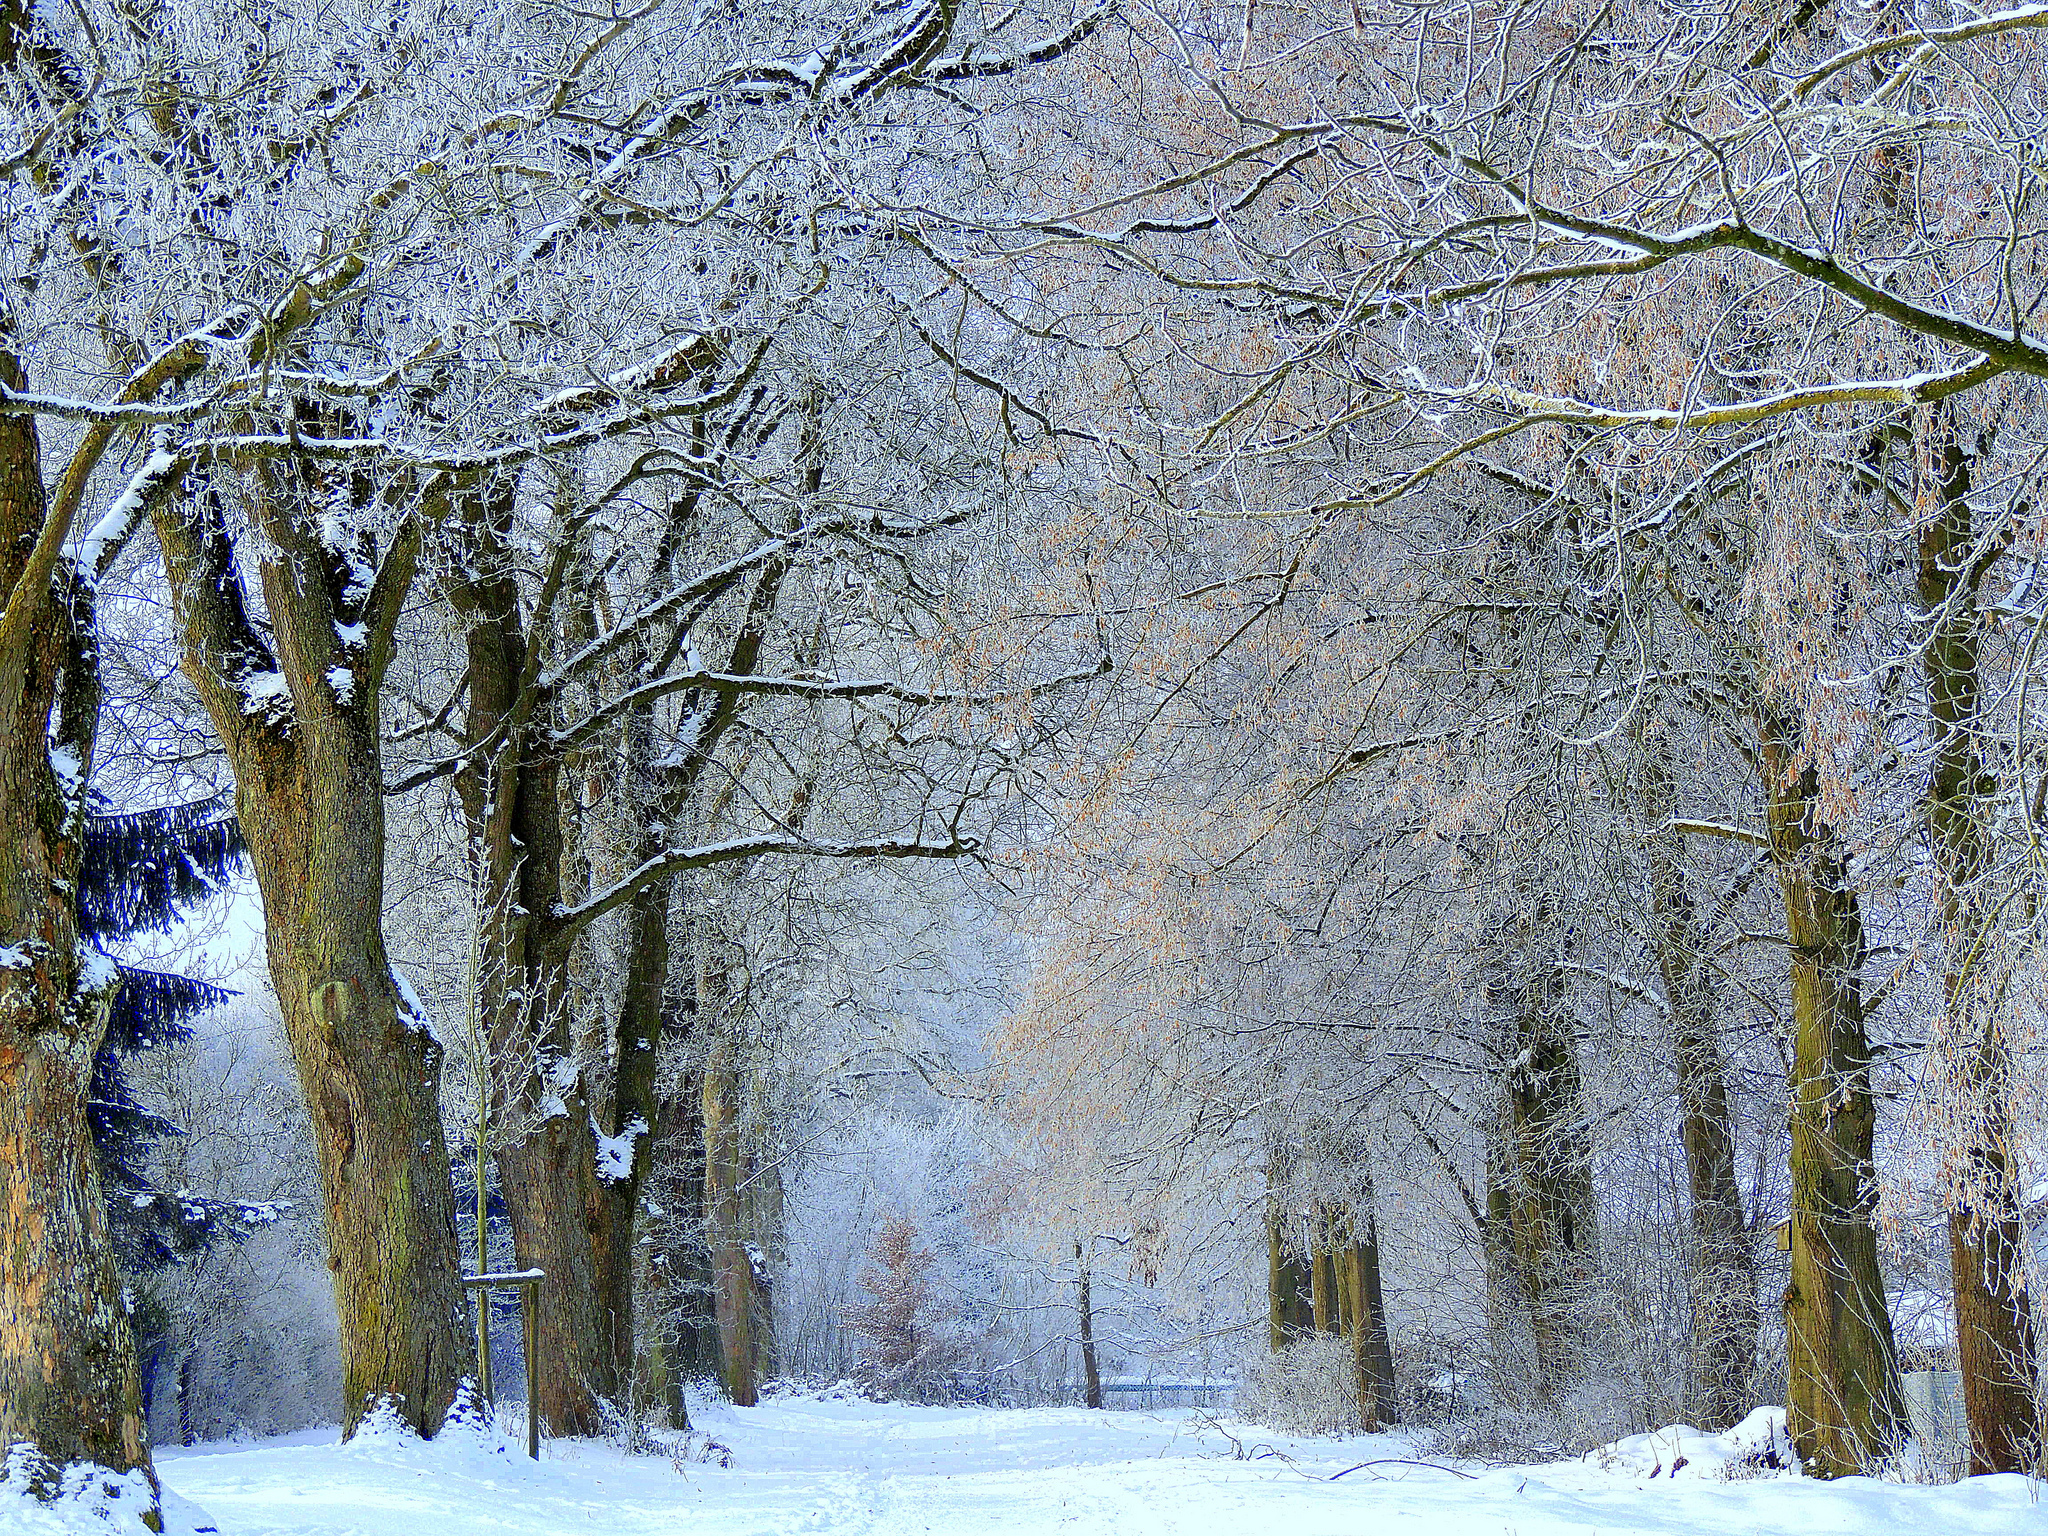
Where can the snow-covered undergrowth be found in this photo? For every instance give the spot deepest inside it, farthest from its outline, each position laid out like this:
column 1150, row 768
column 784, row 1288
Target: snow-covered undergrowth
column 1757, row 1447
column 836, row 1468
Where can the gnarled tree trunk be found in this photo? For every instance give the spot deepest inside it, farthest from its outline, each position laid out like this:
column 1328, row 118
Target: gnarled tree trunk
column 298, row 716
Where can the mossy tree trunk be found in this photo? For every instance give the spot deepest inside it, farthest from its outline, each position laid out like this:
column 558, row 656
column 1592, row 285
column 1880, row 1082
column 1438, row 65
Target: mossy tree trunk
column 1974, row 1061
column 296, row 710
column 69, row 1388
column 1842, row 1402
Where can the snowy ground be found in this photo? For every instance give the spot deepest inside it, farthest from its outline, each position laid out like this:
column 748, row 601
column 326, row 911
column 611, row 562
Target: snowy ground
column 804, row 1465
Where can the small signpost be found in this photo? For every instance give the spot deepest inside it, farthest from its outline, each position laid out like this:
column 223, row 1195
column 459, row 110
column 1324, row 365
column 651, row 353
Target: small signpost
column 527, row 1283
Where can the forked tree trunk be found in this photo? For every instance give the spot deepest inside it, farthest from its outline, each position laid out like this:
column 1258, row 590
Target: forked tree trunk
column 297, row 714
column 1842, row 1401
column 1974, row 1065
column 1091, row 1375
column 1723, row 1281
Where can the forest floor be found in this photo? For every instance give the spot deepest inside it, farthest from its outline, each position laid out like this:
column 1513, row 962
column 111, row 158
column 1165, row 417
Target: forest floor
column 849, row 1468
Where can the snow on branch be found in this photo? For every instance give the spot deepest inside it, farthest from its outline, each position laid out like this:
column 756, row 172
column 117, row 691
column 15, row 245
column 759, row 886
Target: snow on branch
column 674, row 861
column 815, row 688
column 1717, row 829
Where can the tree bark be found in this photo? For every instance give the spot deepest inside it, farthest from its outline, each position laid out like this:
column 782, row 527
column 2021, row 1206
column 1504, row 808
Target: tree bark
column 732, row 1269
column 1287, row 1279
column 69, row 1388
column 1322, row 1272
column 1365, row 1310
column 298, row 717
column 1842, row 1403
column 644, row 1020
column 1549, row 1177
column 679, row 1272
column 1974, row 1066
column 1725, row 1313
column 1091, row 1376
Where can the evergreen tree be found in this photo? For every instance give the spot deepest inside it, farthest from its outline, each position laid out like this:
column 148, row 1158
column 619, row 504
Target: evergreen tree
column 141, row 871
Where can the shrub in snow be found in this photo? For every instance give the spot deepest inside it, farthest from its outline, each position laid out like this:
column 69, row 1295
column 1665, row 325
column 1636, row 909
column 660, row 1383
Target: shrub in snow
column 1308, row 1388
column 908, row 1345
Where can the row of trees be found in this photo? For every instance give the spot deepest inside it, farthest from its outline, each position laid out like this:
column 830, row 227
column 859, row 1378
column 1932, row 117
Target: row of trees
column 544, row 420
column 1590, row 539
column 1555, row 492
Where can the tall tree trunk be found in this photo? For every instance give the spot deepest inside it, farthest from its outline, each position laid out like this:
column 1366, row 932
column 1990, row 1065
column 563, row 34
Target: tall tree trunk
column 69, row 1388
column 1365, row 1319
column 511, row 790
column 633, row 1112
column 1287, row 1279
column 1974, row 1066
column 1842, row 1402
column 1723, row 1281
column 766, row 1250
column 297, row 713
column 732, row 1268
column 1547, row 1150
column 1322, row 1270
column 1091, row 1375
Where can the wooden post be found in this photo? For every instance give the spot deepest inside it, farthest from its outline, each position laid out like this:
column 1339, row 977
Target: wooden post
column 529, row 1326
column 527, row 1283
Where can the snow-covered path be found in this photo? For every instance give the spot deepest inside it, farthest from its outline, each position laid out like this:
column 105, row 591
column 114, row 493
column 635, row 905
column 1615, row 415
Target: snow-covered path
column 832, row 1468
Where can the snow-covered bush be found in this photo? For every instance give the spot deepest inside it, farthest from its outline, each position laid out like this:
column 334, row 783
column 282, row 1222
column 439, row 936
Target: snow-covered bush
column 1308, row 1388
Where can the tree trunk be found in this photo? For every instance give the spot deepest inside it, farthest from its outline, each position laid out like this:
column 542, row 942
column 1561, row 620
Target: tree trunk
column 1973, row 1061
column 1549, row 1175
column 1287, row 1279
column 1091, row 1376
column 312, row 813
column 1365, row 1319
column 762, row 1213
column 643, row 1021
column 1725, row 1314
column 1842, row 1403
column 187, row 1435
column 297, row 713
column 679, row 1271
column 1322, row 1272
column 69, row 1389
column 511, row 791
column 732, row 1269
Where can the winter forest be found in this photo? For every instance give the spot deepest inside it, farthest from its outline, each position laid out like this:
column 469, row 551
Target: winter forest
column 1324, row 720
